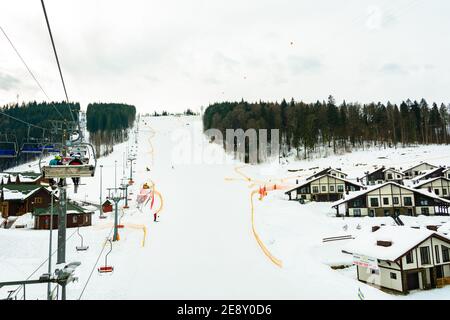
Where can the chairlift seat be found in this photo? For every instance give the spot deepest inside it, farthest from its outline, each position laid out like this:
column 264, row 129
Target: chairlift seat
column 34, row 148
column 7, row 153
column 82, row 248
column 106, row 269
column 68, row 171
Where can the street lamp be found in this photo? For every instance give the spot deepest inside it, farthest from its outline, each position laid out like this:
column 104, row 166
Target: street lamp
column 101, row 190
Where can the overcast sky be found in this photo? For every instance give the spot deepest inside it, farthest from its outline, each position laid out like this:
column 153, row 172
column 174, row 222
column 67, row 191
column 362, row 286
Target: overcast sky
column 175, row 54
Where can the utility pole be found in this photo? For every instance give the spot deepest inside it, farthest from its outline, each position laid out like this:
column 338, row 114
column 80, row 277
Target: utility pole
column 101, row 187
column 50, row 249
column 62, row 214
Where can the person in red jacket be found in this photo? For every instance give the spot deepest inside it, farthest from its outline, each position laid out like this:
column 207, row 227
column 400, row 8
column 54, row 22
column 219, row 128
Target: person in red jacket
column 76, row 161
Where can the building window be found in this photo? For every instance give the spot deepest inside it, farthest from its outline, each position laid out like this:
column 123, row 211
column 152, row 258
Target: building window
column 331, row 188
column 387, row 212
column 74, row 219
column 386, row 201
column 390, row 176
column 425, row 255
column 324, row 188
column 445, row 254
column 407, row 201
column 373, row 271
column 340, row 188
column 393, row 276
column 444, row 192
column 425, row 211
column 357, row 212
column 436, row 191
column 38, row 200
column 409, row 257
column 396, row 200
column 374, row 202
column 315, row 189
column 438, row 258
column 423, row 202
column 371, row 213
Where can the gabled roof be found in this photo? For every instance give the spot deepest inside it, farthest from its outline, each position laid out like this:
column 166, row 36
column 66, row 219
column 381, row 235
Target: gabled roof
column 71, row 209
column 320, row 177
column 427, row 173
column 19, row 191
column 431, row 165
column 429, row 180
column 403, row 239
column 357, row 194
column 324, row 172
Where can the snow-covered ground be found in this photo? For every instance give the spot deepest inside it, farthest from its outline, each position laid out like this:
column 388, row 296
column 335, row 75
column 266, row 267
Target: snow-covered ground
column 203, row 246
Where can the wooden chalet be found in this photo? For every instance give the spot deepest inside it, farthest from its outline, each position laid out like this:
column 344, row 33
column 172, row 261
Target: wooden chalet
column 417, row 170
column 323, row 188
column 440, row 186
column 107, row 206
column 76, row 217
column 382, row 175
column 18, row 199
column 402, row 259
column 392, row 199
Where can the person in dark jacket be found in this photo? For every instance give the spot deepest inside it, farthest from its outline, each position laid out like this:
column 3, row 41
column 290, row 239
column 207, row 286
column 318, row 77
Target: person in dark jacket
column 76, row 161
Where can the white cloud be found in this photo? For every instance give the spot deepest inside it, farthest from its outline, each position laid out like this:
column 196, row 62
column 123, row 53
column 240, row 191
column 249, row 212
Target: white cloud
column 175, row 54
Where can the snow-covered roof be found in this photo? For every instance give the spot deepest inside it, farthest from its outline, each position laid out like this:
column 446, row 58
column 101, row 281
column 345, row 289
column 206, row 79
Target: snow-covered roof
column 356, row 194
column 19, row 191
column 324, row 172
column 431, row 165
column 403, row 239
column 320, row 177
column 429, row 180
column 425, row 173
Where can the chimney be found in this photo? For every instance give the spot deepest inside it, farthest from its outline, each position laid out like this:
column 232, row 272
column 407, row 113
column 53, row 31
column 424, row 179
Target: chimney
column 383, row 243
column 432, row 228
column 375, row 228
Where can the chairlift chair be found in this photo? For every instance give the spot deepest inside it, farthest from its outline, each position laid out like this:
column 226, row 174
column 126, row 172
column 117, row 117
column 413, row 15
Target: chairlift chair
column 107, row 268
column 8, row 150
column 72, row 171
column 31, row 148
column 82, row 247
column 8, row 147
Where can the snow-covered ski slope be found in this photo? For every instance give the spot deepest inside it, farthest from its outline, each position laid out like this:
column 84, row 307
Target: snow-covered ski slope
column 203, row 246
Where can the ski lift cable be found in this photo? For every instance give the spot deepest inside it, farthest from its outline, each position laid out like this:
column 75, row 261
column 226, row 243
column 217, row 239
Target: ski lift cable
column 22, row 121
column 95, row 265
column 23, row 61
column 56, row 57
column 29, row 70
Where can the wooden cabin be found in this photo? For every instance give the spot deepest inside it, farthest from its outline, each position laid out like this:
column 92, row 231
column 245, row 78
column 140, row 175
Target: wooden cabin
column 323, row 188
column 392, row 199
column 382, row 175
column 107, row 206
column 76, row 217
column 417, row 170
column 18, row 199
column 402, row 259
column 440, row 186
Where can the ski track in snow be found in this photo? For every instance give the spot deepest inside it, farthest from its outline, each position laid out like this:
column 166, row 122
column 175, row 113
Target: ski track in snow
column 203, row 247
